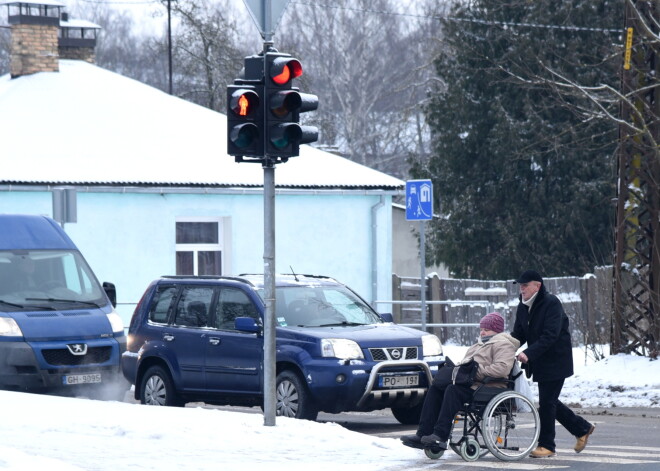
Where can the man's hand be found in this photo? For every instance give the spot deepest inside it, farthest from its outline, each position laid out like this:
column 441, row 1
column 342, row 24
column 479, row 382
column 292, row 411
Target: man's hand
column 522, row 357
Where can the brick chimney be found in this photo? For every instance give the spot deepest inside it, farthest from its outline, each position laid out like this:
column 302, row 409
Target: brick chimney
column 77, row 39
column 34, row 28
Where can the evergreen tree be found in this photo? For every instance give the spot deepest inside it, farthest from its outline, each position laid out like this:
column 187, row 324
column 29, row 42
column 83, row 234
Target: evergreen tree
column 523, row 178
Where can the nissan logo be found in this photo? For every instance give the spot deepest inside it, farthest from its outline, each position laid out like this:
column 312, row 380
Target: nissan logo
column 395, row 353
column 77, row 348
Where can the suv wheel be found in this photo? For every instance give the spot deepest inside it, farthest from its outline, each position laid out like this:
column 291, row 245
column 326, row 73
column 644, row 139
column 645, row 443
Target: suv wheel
column 157, row 388
column 293, row 399
column 408, row 415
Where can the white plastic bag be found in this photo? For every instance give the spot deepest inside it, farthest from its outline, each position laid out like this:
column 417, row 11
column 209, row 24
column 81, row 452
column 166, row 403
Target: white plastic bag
column 522, row 387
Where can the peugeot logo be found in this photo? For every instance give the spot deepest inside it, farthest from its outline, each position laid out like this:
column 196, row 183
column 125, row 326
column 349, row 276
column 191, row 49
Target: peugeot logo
column 396, row 353
column 78, row 349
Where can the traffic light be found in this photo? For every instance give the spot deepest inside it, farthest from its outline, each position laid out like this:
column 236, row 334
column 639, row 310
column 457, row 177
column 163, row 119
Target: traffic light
column 245, row 136
column 283, row 105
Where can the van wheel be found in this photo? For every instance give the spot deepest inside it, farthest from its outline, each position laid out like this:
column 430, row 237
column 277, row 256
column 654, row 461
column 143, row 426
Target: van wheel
column 157, row 388
column 293, row 398
column 408, row 415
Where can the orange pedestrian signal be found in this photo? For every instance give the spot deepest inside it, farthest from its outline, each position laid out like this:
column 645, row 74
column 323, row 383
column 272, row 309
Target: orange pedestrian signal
column 243, row 106
column 243, row 101
column 244, row 120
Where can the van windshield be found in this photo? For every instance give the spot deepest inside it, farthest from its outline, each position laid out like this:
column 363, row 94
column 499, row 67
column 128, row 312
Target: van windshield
column 58, row 279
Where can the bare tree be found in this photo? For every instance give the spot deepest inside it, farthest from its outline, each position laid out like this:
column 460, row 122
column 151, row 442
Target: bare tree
column 368, row 62
column 208, row 50
column 4, row 48
column 121, row 46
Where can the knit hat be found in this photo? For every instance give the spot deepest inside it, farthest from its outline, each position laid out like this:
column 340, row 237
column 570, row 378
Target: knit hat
column 493, row 321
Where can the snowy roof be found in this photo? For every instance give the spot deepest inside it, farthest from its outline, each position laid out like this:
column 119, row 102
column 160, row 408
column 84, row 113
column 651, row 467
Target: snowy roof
column 54, row 3
column 73, row 23
column 87, row 125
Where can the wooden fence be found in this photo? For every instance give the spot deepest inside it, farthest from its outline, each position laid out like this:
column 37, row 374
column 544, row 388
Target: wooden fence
column 587, row 301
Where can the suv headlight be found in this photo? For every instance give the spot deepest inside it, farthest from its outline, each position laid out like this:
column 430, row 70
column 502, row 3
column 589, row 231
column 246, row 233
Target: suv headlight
column 341, row 348
column 431, row 346
column 9, row 328
column 116, row 323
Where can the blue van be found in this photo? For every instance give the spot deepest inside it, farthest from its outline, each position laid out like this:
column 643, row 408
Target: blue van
column 201, row 339
column 59, row 331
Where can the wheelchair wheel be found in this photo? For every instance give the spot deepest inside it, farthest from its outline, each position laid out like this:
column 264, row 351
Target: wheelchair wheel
column 470, row 450
column 434, row 453
column 510, row 426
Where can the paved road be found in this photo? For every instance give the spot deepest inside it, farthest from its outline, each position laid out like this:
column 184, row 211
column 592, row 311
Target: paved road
column 623, row 437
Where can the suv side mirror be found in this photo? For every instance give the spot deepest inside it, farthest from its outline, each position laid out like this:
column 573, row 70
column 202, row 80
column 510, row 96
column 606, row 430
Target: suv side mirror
column 387, row 317
column 111, row 292
column 247, row 324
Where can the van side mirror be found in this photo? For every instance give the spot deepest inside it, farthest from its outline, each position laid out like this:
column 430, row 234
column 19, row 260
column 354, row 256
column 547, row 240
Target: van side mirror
column 247, row 324
column 387, row 317
column 111, row 292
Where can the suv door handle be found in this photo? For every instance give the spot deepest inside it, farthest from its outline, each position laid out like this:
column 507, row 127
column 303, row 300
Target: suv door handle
column 214, row 341
column 168, row 337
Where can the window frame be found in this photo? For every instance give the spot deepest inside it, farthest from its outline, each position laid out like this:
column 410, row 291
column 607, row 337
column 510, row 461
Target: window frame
column 195, row 249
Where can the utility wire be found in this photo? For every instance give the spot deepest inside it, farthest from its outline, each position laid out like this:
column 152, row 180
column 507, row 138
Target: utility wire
column 465, row 20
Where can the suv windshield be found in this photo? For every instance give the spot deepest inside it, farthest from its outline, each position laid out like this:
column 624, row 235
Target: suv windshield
column 46, row 278
column 321, row 306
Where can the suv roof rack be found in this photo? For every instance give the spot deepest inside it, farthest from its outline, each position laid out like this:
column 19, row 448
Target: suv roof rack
column 207, row 277
column 291, row 275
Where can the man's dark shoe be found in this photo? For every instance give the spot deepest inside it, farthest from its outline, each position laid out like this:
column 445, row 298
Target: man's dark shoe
column 434, row 441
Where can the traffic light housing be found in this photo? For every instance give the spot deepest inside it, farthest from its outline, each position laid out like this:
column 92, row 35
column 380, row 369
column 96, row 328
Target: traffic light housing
column 283, row 105
column 263, row 110
column 245, row 134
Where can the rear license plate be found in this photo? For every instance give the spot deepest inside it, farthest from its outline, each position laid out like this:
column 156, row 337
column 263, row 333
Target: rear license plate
column 400, row 381
column 69, row 380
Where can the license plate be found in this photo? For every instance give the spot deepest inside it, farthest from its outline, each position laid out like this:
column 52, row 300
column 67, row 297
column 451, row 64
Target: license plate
column 69, row 380
column 400, row 381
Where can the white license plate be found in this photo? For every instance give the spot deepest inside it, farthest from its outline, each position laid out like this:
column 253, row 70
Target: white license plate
column 400, row 381
column 69, row 380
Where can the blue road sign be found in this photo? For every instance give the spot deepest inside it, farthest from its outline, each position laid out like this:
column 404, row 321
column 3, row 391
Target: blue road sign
column 419, row 200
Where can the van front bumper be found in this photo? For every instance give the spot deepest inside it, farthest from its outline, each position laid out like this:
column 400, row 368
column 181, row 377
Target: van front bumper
column 23, row 365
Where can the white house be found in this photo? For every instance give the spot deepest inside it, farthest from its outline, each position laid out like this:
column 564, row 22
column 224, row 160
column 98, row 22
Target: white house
column 156, row 192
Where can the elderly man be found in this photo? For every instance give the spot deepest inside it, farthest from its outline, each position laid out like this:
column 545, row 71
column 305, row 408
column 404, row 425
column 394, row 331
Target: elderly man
column 495, row 353
column 548, row 359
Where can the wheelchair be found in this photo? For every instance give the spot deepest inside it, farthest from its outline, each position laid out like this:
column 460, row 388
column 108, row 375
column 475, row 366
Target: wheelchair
column 497, row 420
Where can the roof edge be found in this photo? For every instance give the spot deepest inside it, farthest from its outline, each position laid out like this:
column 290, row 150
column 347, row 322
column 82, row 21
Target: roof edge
column 200, row 189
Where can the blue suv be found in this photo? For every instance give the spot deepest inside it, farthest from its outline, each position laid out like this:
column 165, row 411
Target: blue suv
column 200, row 339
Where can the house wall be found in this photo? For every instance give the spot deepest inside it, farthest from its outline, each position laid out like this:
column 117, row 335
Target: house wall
column 406, row 262
column 129, row 238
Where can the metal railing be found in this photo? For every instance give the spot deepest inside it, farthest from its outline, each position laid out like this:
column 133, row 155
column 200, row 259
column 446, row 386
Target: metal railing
column 424, row 324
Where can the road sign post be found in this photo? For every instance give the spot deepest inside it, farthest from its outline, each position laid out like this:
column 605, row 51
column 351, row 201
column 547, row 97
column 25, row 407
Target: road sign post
column 419, row 207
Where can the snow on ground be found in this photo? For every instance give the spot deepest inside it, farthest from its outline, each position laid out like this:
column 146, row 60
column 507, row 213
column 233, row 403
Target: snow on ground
column 67, row 434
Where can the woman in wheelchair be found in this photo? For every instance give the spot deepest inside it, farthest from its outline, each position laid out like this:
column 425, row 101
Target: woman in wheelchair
column 495, row 353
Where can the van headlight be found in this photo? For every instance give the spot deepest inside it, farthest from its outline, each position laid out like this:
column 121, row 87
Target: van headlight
column 431, row 346
column 343, row 349
column 116, row 323
column 9, row 328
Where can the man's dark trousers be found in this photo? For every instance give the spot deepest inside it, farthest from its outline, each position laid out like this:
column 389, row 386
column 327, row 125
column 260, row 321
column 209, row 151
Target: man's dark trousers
column 551, row 408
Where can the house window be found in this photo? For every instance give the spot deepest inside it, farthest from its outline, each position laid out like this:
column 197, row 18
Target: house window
column 199, row 247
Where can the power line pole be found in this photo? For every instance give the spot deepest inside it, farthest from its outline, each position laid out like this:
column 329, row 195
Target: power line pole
column 636, row 320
